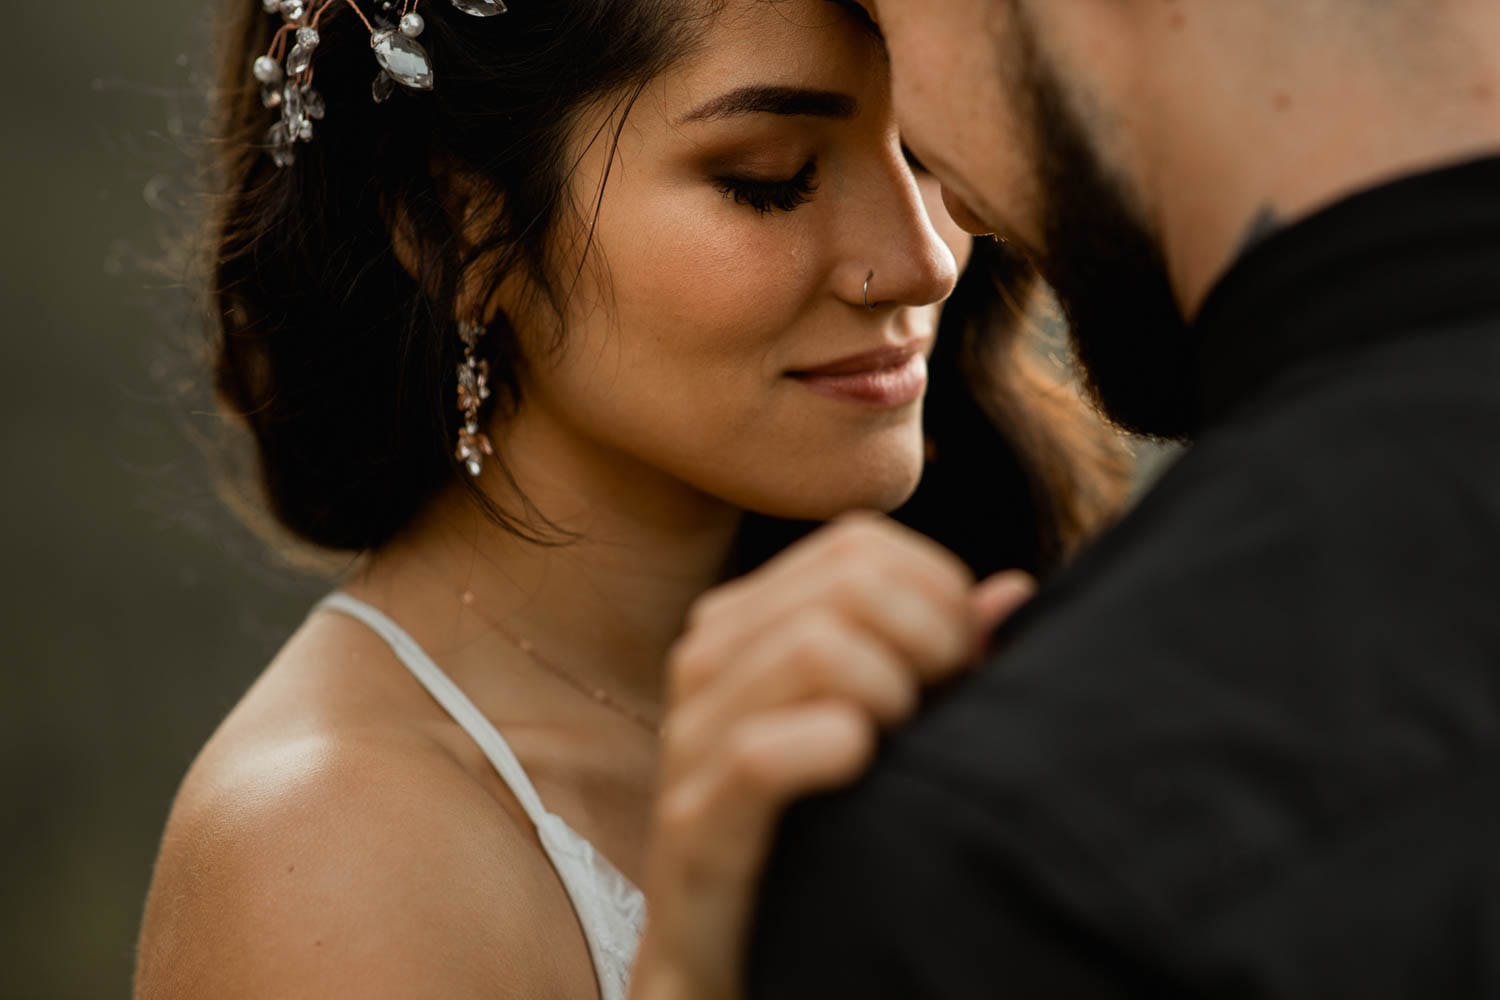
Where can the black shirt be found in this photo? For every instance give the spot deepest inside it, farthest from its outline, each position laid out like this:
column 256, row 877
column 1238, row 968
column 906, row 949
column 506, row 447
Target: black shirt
column 1248, row 745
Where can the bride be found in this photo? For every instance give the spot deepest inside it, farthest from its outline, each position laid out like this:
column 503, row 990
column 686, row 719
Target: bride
column 579, row 311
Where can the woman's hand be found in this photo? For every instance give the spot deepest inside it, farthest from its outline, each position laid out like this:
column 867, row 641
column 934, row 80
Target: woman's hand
column 778, row 690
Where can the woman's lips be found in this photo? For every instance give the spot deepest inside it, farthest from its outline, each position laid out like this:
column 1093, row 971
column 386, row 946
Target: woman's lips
column 880, row 381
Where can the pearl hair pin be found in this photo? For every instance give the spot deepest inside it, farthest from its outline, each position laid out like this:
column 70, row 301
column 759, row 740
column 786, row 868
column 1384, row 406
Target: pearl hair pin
column 285, row 72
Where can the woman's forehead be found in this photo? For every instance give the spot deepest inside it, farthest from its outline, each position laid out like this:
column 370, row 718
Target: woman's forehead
column 795, row 44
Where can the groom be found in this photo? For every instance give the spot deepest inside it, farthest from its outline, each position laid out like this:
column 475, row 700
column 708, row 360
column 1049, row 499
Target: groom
column 1248, row 745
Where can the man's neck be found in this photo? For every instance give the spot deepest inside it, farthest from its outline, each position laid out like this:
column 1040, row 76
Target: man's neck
column 1262, row 142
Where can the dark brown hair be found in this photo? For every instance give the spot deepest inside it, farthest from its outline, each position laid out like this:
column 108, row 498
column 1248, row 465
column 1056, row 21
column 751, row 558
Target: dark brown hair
column 339, row 360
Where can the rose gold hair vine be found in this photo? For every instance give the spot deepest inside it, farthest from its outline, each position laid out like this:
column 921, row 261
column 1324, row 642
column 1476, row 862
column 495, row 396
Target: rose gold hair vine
column 286, row 76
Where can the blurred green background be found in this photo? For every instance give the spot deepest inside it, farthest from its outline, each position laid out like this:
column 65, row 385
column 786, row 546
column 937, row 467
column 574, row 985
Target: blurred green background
column 136, row 609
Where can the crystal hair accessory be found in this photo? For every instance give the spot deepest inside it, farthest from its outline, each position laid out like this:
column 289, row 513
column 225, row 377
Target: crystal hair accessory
column 473, row 389
column 285, row 72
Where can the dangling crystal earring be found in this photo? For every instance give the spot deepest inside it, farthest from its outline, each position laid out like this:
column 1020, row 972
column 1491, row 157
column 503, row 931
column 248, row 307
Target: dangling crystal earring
column 473, row 389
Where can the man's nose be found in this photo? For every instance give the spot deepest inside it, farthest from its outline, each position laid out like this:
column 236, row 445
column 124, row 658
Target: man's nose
column 965, row 216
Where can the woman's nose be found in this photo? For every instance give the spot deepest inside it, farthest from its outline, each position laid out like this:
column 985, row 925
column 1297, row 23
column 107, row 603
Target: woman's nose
column 900, row 259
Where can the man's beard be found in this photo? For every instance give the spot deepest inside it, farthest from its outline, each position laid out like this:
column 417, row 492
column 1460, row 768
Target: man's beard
column 1109, row 273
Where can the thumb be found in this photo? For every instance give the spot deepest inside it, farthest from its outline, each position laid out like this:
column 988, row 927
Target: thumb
column 999, row 597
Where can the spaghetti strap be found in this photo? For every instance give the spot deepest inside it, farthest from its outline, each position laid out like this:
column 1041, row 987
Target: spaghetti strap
column 611, row 910
column 448, row 695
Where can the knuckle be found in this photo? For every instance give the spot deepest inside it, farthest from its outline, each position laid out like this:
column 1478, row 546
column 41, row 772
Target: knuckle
column 822, row 675
column 818, row 638
column 891, row 692
column 689, row 665
column 854, row 731
column 858, row 521
column 939, row 659
column 681, row 650
column 707, row 605
column 851, row 583
column 749, row 764
column 852, row 535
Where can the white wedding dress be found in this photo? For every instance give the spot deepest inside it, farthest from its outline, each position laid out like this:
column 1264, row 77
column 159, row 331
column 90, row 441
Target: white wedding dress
column 610, row 909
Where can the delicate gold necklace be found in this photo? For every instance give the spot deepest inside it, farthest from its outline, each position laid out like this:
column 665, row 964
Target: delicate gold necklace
column 593, row 692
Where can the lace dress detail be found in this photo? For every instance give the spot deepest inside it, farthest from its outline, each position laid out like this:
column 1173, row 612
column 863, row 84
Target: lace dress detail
column 611, row 910
column 610, row 907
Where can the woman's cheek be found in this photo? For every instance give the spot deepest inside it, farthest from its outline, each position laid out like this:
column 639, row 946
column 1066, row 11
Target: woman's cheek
column 722, row 275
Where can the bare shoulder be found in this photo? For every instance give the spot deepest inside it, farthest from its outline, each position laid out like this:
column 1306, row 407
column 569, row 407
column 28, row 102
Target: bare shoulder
column 324, row 854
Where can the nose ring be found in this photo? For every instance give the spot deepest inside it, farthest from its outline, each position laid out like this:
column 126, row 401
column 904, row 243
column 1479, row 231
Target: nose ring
column 868, row 278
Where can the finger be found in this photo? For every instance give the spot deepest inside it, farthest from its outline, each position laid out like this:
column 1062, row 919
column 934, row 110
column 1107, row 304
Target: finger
column 999, row 597
column 922, row 636
column 817, row 658
column 932, row 636
column 917, row 603
column 858, row 532
column 718, row 818
column 713, row 831
column 994, row 601
column 860, row 544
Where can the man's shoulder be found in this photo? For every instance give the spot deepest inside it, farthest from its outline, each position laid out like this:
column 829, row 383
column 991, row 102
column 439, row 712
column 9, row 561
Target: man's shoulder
column 1288, row 636
column 1290, row 640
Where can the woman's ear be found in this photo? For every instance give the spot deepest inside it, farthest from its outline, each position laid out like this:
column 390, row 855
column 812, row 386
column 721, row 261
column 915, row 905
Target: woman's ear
column 470, row 211
column 410, row 249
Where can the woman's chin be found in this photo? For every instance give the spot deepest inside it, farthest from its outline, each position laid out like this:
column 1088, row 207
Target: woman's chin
column 826, row 493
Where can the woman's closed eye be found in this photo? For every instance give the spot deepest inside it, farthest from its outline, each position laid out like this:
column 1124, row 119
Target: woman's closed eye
column 767, row 196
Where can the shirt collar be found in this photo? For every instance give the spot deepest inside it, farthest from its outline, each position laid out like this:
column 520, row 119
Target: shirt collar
column 1384, row 264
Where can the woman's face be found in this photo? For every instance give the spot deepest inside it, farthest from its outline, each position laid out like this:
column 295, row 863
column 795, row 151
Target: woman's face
column 718, row 335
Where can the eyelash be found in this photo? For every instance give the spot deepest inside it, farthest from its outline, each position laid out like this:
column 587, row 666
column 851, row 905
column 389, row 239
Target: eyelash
column 772, row 196
column 788, row 195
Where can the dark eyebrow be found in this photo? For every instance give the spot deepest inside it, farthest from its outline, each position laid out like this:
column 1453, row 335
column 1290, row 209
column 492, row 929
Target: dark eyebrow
column 770, row 100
